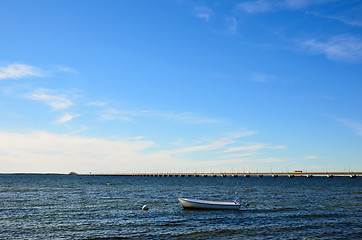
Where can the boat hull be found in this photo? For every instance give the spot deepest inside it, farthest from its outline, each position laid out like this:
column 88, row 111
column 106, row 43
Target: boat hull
column 203, row 204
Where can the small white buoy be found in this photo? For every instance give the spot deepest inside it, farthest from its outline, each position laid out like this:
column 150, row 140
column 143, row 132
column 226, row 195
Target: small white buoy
column 108, row 184
column 145, row 207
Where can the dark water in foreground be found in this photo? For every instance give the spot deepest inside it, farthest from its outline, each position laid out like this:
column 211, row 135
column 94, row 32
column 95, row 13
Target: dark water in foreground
column 90, row 207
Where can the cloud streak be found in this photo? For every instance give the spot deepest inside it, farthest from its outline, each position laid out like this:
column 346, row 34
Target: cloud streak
column 131, row 115
column 67, row 117
column 47, row 152
column 355, row 126
column 351, row 17
column 343, row 47
column 255, row 6
column 259, row 6
column 203, row 12
column 232, row 24
column 312, row 157
column 261, row 77
column 16, row 71
column 56, row 102
column 252, row 147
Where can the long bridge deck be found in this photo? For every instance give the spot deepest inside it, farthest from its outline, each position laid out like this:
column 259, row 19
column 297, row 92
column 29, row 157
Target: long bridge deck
column 238, row 174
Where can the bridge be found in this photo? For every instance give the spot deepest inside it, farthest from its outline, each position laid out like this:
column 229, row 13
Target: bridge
column 238, row 174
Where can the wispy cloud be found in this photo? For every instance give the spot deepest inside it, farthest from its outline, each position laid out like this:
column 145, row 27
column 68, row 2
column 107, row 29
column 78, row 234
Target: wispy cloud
column 97, row 104
column 351, row 18
column 348, row 21
column 298, row 4
column 238, row 155
column 184, row 117
column 255, row 6
column 221, row 146
column 271, row 160
column 131, row 115
column 203, row 12
column 232, row 24
column 179, row 159
column 214, row 145
column 207, row 147
column 241, row 133
column 55, row 101
column 355, row 126
column 259, row 6
column 115, row 114
column 67, row 117
column 343, row 47
column 261, row 77
column 15, row 71
column 312, row 157
column 325, row 97
column 252, row 147
column 61, row 68
column 48, row 152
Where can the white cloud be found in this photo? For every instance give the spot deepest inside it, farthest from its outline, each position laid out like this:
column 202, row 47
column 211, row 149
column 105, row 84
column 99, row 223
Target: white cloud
column 262, row 77
column 343, row 47
column 351, row 17
column 255, row 6
column 207, row 147
column 137, row 138
column 298, row 4
column 184, row 117
column 258, row 6
column 67, row 117
column 114, row 114
column 216, row 147
column 325, row 97
column 14, row 71
column 271, row 160
column 232, row 24
column 210, row 146
column 56, row 102
column 66, row 69
column 129, row 116
column 97, row 104
column 252, row 147
column 47, row 152
column 238, row 155
column 312, row 157
column 203, row 12
column 355, row 126
column 241, row 133
column 352, row 22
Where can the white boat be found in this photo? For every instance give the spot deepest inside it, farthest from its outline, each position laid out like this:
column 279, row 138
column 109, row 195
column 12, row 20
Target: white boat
column 204, row 204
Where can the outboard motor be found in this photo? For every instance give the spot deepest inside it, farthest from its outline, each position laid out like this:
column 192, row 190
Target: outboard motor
column 237, row 201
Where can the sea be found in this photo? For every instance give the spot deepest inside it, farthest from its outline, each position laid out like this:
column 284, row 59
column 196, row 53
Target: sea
column 49, row 206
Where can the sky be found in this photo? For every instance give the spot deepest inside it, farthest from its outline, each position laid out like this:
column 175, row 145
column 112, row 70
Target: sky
column 95, row 86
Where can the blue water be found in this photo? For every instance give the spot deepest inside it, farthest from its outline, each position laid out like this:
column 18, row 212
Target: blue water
column 109, row 207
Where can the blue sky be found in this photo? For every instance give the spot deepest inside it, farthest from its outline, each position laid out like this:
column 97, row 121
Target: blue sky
column 177, row 85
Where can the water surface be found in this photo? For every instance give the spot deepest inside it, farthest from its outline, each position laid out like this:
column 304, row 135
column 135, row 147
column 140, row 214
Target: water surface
column 109, row 207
